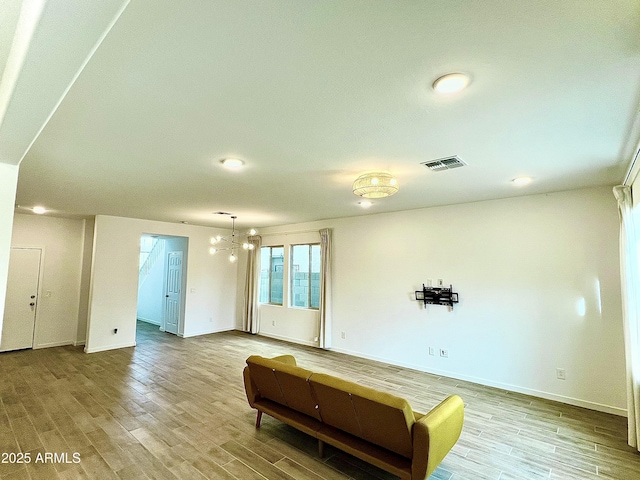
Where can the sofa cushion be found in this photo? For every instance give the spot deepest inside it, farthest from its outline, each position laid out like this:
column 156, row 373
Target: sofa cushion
column 375, row 416
column 283, row 383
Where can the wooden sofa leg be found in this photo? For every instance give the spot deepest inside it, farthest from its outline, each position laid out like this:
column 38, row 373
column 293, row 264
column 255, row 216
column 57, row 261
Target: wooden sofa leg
column 258, row 419
column 320, row 448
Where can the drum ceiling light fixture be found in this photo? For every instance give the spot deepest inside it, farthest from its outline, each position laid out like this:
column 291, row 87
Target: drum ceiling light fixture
column 375, row 185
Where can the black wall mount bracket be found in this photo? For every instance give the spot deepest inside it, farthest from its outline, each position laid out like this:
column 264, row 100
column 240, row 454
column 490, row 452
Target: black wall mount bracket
column 437, row 296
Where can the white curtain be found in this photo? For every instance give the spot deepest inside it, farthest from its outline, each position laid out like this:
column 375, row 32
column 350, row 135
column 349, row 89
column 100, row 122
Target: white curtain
column 251, row 317
column 324, row 335
column 630, row 278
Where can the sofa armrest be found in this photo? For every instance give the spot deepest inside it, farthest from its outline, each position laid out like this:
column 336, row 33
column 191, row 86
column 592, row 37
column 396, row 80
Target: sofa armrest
column 435, row 434
column 250, row 388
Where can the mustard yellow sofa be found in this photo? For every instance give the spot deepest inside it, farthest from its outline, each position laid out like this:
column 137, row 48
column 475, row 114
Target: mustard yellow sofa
column 372, row 425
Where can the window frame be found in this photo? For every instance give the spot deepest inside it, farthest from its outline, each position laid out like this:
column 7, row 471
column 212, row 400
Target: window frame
column 292, row 275
column 271, row 271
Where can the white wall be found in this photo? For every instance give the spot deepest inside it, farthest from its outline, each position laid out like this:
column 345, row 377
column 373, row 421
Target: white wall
column 61, row 240
column 523, row 268
column 8, row 183
column 211, row 281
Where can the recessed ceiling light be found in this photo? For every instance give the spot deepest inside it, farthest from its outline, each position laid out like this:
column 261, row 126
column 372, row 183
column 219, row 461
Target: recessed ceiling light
column 451, row 83
column 232, row 163
column 521, row 181
column 39, row 210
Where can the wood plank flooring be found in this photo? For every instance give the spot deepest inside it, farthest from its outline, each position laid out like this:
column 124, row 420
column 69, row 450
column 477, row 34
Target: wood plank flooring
column 175, row 408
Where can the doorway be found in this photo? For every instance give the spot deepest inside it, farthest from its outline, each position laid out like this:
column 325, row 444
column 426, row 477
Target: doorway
column 21, row 304
column 162, row 282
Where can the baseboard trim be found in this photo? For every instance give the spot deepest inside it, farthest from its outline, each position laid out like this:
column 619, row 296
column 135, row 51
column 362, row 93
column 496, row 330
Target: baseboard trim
column 207, row 332
column 622, row 412
column 52, row 344
column 148, row 320
column 108, row 347
column 291, row 340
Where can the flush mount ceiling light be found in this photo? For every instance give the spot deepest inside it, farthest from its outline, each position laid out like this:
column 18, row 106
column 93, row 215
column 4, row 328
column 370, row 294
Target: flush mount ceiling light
column 521, row 181
column 451, row 83
column 39, row 210
column 375, row 185
column 232, row 242
column 232, row 163
column 365, row 203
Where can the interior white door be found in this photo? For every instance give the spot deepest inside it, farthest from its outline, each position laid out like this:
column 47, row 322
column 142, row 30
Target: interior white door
column 173, row 292
column 21, row 300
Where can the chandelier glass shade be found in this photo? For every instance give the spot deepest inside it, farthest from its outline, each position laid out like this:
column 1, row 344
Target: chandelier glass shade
column 233, row 242
column 375, row 185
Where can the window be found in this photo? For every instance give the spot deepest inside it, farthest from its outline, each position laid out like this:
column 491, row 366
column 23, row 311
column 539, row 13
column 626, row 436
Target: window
column 271, row 275
column 305, row 276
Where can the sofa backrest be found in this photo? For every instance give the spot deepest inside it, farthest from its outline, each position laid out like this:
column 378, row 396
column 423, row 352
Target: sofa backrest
column 284, row 384
column 372, row 415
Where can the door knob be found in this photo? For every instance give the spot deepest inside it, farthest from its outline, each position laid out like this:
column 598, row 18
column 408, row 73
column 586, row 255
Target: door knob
column 167, row 296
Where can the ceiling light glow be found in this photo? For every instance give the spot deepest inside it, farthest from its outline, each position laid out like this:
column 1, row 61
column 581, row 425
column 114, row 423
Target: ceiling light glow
column 451, row 83
column 521, row 181
column 39, row 210
column 365, row 203
column 232, row 163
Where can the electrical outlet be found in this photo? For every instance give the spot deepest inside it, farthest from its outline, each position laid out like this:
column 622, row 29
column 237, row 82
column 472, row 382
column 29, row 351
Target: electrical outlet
column 429, row 282
column 440, row 282
column 273, row 323
column 343, row 335
column 561, row 374
column 444, row 353
column 432, row 351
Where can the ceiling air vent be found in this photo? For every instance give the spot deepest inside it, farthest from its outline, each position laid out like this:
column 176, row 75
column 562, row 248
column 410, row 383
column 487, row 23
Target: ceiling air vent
column 446, row 163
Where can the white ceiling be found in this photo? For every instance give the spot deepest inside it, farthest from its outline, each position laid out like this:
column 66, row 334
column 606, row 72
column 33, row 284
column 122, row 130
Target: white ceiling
column 311, row 94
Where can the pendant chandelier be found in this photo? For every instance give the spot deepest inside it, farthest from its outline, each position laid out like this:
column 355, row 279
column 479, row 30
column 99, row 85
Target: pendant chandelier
column 232, row 242
column 375, row 185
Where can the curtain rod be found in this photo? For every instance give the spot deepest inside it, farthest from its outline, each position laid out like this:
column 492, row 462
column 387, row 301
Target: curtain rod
column 292, row 232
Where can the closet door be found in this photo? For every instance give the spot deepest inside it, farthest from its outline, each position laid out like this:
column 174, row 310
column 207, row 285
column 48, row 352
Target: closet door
column 22, row 299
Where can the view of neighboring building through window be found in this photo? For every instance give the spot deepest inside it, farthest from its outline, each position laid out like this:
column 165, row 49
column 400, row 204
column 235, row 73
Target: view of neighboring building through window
column 271, row 275
column 305, row 276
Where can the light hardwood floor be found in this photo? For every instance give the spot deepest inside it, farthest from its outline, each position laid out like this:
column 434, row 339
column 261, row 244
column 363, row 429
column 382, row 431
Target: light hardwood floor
column 175, row 408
